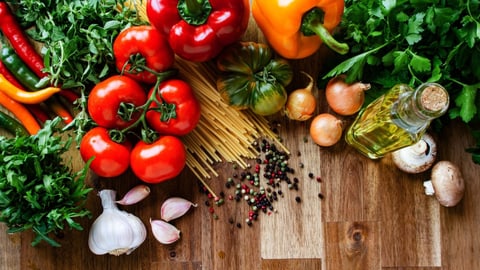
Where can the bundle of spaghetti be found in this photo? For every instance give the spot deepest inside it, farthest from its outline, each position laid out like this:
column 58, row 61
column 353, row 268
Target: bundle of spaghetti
column 223, row 132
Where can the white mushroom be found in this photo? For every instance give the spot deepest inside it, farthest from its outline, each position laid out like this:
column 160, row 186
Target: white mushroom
column 446, row 183
column 416, row 158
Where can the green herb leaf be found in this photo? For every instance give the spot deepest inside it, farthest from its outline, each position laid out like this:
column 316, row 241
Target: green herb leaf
column 38, row 191
column 466, row 102
column 420, row 41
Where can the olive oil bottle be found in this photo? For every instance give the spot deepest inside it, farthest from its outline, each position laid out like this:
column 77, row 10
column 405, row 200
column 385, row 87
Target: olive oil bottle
column 397, row 119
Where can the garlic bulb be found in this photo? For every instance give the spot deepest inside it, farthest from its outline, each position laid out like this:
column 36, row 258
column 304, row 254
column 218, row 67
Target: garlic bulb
column 115, row 232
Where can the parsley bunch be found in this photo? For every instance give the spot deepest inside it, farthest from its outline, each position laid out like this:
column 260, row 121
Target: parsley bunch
column 38, row 191
column 416, row 41
column 77, row 36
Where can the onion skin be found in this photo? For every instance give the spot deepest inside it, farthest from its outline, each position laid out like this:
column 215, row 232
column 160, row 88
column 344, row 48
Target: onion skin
column 343, row 98
column 301, row 103
column 326, row 129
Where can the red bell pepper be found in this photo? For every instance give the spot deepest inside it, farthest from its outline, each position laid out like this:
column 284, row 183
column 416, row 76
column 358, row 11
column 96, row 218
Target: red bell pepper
column 199, row 29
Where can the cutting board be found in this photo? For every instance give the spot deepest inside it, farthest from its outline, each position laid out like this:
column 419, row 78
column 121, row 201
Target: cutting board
column 349, row 212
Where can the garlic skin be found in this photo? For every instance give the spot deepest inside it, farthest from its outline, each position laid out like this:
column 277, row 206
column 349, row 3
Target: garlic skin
column 135, row 195
column 175, row 207
column 164, row 232
column 115, row 232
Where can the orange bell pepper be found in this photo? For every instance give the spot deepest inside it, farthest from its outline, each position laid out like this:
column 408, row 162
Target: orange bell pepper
column 296, row 29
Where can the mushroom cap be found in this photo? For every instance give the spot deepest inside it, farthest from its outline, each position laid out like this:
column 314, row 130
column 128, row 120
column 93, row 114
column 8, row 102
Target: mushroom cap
column 418, row 157
column 448, row 183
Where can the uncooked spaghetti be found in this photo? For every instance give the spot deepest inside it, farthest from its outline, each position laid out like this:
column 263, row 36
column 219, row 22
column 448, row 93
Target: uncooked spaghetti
column 223, row 133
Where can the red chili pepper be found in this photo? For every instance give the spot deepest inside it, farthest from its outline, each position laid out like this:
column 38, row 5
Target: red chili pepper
column 199, row 29
column 38, row 112
column 9, row 76
column 69, row 95
column 57, row 107
column 12, row 30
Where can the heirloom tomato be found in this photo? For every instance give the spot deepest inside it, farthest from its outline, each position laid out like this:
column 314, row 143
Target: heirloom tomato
column 112, row 102
column 178, row 110
column 159, row 161
column 110, row 159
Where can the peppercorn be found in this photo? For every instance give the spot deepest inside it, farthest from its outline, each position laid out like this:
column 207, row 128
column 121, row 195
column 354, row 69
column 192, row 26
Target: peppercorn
column 298, row 199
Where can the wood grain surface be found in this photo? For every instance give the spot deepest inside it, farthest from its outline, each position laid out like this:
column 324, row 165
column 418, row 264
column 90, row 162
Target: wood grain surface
column 371, row 216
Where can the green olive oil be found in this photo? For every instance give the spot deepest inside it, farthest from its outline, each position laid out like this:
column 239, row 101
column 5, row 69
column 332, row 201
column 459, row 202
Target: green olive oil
column 397, row 119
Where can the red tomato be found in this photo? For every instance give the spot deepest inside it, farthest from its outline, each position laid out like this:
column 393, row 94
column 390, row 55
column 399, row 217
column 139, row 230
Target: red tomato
column 150, row 45
column 111, row 159
column 180, row 109
column 105, row 98
column 159, row 161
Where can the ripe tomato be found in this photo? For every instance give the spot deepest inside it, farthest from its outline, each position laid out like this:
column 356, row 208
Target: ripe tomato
column 106, row 97
column 142, row 46
column 179, row 112
column 111, row 159
column 158, row 161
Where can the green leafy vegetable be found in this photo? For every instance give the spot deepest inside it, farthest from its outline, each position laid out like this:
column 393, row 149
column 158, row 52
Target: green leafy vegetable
column 77, row 36
column 416, row 41
column 38, row 191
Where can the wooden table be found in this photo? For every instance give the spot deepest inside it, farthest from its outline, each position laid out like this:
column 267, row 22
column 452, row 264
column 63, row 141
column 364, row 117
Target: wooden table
column 372, row 216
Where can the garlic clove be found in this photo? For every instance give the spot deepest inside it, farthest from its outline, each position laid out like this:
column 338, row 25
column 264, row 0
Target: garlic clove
column 135, row 195
column 175, row 207
column 114, row 231
column 164, row 232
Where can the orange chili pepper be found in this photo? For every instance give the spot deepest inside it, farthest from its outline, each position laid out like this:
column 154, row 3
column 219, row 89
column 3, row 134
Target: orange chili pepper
column 297, row 28
column 57, row 107
column 23, row 96
column 21, row 113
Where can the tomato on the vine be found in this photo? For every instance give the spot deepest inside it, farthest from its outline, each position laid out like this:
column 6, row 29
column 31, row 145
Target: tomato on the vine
column 178, row 111
column 159, row 161
column 142, row 46
column 110, row 159
column 112, row 102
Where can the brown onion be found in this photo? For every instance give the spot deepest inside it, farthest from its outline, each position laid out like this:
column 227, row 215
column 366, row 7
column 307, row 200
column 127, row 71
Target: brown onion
column 301, row 103
column 344, row 98
column 326, row 129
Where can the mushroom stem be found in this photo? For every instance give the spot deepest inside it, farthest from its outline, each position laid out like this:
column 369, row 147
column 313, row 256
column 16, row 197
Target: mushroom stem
column 420, row 148
column 418, row 157
column 429, row 190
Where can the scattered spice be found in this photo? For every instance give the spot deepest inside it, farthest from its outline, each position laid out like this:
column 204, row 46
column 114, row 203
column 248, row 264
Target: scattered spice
column 259, row 185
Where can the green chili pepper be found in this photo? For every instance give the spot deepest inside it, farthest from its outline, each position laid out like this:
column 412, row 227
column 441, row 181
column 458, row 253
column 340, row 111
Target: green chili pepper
column 20, row 70
column 11, row 125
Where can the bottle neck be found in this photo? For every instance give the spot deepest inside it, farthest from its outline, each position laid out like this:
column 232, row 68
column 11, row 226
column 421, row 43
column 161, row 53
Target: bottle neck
column 415, row 110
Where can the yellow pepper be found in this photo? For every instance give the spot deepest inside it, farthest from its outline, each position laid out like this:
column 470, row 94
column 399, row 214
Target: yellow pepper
column 23, row 96
column 296, row 29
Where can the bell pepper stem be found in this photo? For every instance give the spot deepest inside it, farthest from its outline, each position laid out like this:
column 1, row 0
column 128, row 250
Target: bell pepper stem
column 194, row 12
column 312, row 23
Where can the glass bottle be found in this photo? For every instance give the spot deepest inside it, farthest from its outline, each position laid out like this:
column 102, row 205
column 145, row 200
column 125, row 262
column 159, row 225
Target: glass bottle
column 397, row 119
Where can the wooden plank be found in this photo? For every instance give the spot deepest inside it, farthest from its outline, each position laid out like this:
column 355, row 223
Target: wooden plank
column 292, row 264
column 10, row 246
column 353, row 245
